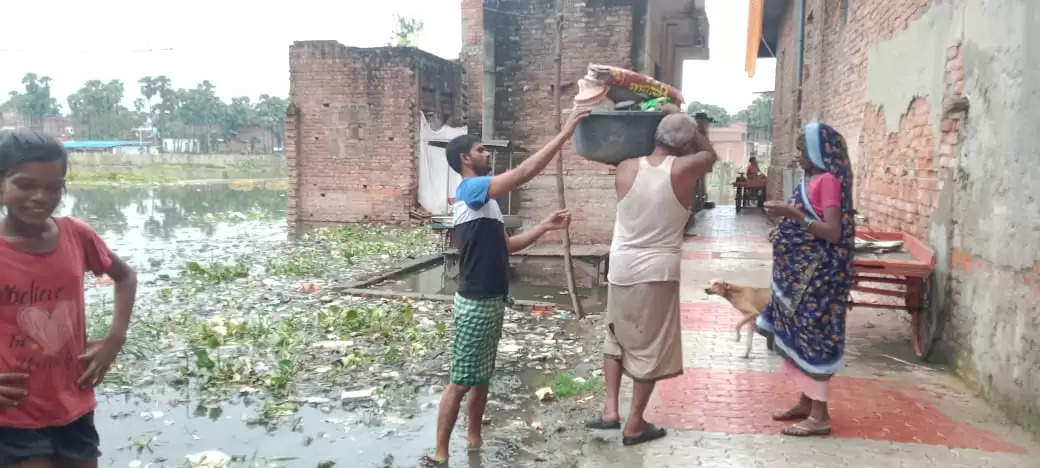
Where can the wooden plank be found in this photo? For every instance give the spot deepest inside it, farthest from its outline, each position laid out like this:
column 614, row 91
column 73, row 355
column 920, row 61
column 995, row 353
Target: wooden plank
column 417, row 264
column 384, row 294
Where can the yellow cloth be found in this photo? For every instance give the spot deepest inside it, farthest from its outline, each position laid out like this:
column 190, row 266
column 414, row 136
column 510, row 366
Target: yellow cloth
column 754, row 34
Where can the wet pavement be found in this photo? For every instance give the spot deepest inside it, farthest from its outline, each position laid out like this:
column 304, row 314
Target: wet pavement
column 888, row 408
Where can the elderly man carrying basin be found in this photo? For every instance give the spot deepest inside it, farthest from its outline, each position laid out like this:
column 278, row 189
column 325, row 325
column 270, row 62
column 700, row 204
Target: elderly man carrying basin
column 642, row 325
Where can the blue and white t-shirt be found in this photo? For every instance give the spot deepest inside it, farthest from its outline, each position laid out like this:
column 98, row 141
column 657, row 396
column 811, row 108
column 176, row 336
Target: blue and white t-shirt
column 481, row 239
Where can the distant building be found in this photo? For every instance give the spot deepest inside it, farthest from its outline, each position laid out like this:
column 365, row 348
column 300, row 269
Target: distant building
column 56, row 126
column 112, row 146
column 731, row 143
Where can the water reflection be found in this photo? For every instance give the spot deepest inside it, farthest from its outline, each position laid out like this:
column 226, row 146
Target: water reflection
column 156, row 229
column 159, row 211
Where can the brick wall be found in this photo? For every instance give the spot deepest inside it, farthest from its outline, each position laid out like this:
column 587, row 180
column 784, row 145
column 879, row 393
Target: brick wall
column 901, row 175
column 352, row 128
column 598, row 31
column 834, row 70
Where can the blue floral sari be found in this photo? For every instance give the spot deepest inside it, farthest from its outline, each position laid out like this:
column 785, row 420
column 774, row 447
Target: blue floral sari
column 812, row 277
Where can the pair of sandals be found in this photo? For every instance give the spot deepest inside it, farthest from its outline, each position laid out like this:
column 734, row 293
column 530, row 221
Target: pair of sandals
column 650, row 432
column 807, row 427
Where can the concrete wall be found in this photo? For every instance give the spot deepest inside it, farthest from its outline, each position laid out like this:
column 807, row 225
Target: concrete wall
column 352, row 128
column 189, row 159
column 937, row 101
column 994, row 229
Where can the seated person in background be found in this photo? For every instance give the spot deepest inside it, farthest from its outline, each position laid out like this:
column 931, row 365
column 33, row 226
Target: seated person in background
column 752, row 169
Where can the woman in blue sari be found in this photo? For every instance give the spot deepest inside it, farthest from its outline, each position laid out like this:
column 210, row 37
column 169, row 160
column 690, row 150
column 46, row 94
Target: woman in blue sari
column 812, row 276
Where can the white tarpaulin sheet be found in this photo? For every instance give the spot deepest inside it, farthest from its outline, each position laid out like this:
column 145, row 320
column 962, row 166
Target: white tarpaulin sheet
column 437, row 182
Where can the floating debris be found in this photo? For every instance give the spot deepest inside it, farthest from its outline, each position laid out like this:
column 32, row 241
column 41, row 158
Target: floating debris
column 358, row 394
column 209, row 459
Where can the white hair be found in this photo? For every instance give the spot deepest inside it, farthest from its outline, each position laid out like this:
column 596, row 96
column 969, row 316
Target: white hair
column 676, row 131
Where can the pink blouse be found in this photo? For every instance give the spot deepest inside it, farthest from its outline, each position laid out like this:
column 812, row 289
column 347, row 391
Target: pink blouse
column 824, row 192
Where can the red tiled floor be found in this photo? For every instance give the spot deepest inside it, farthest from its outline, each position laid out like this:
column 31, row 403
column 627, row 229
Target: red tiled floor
column 708, row 316
column 742, row 403
column 696, row 255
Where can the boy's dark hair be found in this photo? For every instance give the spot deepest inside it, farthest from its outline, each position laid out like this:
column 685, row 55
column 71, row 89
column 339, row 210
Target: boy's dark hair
column 457, row 147
column 753, row 159
column 24, row 147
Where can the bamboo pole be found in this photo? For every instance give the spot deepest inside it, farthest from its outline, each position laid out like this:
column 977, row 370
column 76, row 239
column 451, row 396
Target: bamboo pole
column 568, row 263
column 385, row 294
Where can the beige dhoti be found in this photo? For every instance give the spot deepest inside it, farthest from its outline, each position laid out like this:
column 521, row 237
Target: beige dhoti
column 643, row 329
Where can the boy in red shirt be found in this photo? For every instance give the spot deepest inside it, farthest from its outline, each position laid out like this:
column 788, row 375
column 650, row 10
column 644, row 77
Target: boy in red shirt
column 48, row 369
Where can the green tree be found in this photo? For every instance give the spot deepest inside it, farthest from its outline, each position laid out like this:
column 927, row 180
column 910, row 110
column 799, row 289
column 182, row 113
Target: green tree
column 240, row 115
column 759, row 118
column 97, row 111
column 201, row 111
column 161, row 103
column 722, row 118
column 406, row 31
column 270, row 113
column 36, row 102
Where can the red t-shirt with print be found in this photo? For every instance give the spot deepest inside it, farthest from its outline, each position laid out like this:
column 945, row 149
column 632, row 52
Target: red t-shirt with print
column 43, row 324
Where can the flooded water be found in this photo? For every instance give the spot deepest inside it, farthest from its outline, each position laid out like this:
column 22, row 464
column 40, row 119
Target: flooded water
column 434, row 281
column 136, row 428
column 157, row 229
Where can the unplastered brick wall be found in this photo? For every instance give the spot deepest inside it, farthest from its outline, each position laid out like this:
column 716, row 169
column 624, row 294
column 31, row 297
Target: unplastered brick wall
column 834, row 70
column 351, row 131
column 595, row 31
column 902, row 173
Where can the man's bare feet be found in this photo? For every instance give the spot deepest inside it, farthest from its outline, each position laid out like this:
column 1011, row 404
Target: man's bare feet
column 601, row 421
column 433, row 461
column 475, row 443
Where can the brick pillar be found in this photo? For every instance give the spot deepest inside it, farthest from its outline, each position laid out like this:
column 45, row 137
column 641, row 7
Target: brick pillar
column 292, row 162
column 472, row 59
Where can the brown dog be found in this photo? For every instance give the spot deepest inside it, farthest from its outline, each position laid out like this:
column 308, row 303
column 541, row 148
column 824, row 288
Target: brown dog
column 749, row 301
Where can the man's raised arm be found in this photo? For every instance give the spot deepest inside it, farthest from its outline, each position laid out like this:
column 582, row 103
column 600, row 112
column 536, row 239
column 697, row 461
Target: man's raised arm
column 532, row 166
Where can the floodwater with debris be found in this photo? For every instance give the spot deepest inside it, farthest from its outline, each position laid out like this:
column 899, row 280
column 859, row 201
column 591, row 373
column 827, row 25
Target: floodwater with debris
column 242, row 353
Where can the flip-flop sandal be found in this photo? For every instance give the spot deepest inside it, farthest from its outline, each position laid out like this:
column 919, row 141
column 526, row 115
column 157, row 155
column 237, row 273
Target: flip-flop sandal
column 789, row 415
column 597, row 422
column 799, row 430
column 651, row 432
column 431, row 461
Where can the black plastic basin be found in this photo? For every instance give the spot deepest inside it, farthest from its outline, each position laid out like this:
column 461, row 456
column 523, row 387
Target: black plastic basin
column 610, row 136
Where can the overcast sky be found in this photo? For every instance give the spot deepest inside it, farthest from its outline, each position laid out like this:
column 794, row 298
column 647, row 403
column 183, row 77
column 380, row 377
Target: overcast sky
column 242, row 46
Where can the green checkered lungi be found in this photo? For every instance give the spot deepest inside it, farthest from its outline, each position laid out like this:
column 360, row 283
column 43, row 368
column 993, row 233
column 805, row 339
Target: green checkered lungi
column 478, row 326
